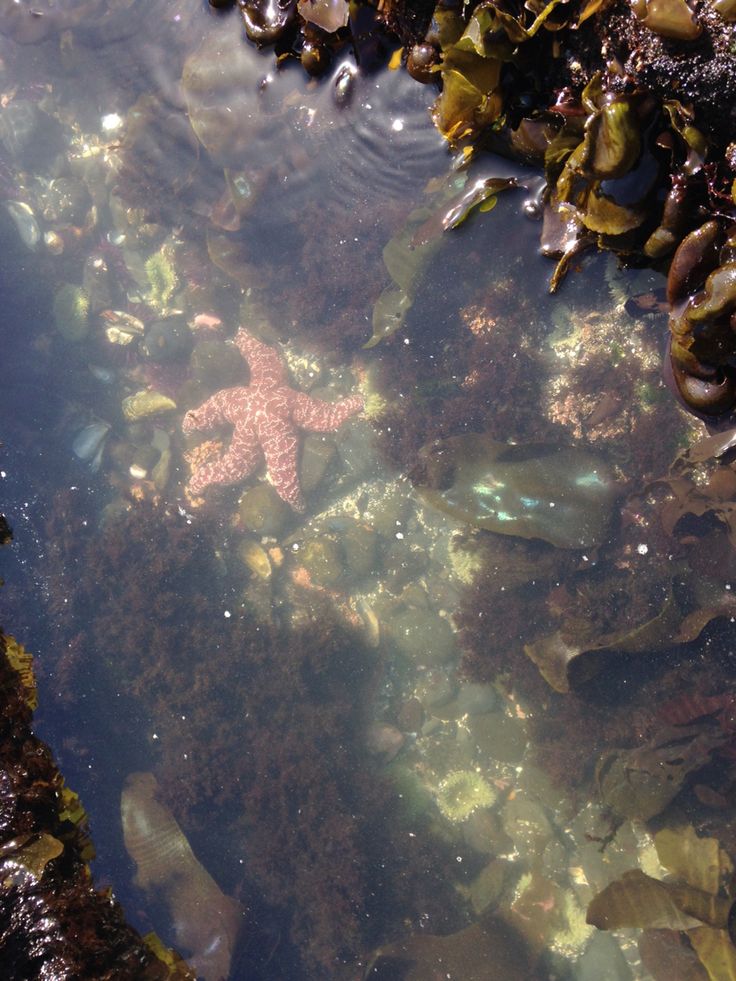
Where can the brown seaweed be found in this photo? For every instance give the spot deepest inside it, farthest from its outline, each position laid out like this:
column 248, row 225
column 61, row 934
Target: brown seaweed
column 271, row 720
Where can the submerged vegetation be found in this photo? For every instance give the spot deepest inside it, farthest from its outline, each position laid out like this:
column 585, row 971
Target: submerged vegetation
column 269, row 726
column 52, row 919
column 416, row 678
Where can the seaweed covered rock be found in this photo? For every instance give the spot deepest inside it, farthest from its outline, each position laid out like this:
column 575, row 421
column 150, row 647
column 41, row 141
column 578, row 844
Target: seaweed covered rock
column 53, row 922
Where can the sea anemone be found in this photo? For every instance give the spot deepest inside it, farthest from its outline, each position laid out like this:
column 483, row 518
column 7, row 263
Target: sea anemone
column 461, row 793
column 162, row 278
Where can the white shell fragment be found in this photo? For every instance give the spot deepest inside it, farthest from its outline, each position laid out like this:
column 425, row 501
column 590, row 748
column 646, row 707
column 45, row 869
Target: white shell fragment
column 330, row 15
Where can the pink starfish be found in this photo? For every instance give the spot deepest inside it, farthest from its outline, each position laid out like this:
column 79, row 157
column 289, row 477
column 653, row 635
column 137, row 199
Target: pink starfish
column 265, row 417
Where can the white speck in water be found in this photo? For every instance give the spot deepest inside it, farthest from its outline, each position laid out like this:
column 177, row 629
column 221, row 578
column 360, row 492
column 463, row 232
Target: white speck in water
column 397, row 125
column 111, row 122
column 227, row 614
column 642, row 549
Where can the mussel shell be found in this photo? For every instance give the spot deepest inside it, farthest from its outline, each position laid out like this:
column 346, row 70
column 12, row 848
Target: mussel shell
column 89, row 443
column 25, row 222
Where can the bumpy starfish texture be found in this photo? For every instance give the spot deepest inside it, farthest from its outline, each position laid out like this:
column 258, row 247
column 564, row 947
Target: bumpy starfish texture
column 266, row 416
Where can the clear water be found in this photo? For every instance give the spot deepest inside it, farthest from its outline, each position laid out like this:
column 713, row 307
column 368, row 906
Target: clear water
column 298, row 688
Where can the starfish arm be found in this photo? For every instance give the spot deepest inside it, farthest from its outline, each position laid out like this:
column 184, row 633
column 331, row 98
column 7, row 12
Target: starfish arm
column 241, row 459
column 323, row 417
column 265, row 363
column 280, row 445
column 209, row 415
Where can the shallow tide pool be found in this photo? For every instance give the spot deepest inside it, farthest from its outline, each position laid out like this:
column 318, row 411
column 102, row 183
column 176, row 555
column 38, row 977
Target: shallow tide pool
column 380, row 602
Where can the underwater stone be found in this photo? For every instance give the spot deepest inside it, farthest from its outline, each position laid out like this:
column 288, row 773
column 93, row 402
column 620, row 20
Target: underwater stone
column 18, row 122
column 390, row 513
column 261, row 510
column 323, row 560
column 67, row 200
column 473, row 698
column 562, row 495
column 483, row 832
column 499, row 737
column 358, row 452
column 435, row 689
column 422, row 635
column 360, row 545
column 216, row 364
column 318, row 452
column 144, row 460
column 168, row 339
column 384, row 741
column 403, row 564
column 526, row 821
